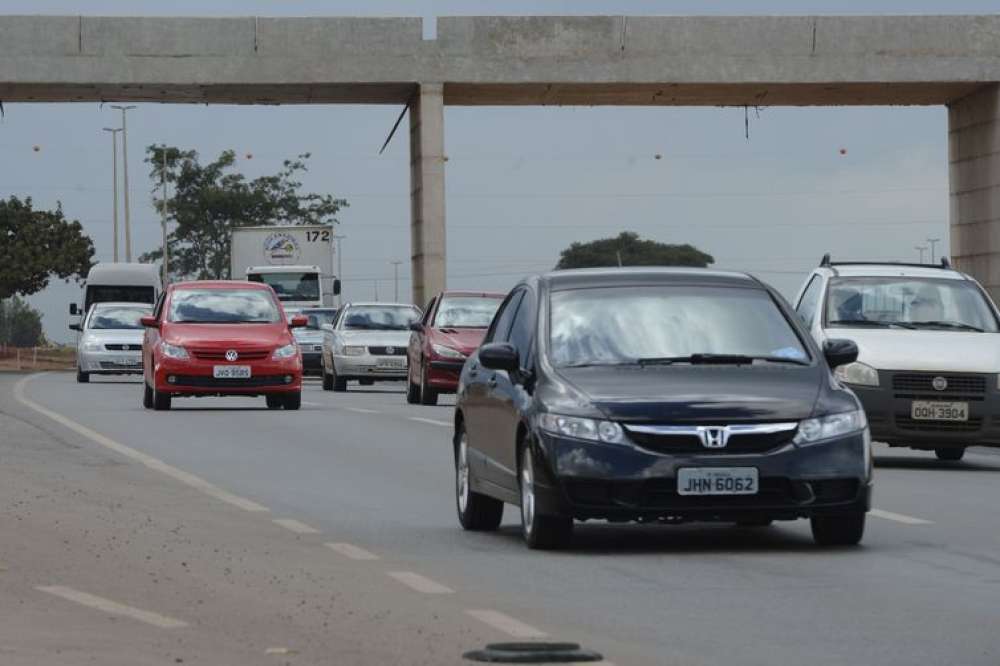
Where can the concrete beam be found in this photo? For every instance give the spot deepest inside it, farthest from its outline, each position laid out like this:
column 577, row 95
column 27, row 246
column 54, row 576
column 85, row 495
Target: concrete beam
column 427, row 226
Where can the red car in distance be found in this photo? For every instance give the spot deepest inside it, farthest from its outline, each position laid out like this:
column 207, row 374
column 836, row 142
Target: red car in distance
column 453, row 326
column 224, row 337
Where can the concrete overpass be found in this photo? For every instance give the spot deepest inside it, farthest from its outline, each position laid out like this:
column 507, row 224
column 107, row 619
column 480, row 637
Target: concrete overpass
column 607, row 60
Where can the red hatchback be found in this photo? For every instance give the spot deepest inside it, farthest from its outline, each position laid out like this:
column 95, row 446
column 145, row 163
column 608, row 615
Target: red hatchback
column 453, row 326
column 220, row 338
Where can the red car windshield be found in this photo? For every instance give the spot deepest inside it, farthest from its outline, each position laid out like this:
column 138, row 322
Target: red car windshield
column 466, row 312
column 223, row 306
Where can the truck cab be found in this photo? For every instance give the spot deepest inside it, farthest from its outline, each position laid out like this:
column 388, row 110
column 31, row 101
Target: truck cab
column 297, row 287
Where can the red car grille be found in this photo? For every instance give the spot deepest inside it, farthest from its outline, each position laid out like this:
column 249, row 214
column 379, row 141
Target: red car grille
column 220, row 354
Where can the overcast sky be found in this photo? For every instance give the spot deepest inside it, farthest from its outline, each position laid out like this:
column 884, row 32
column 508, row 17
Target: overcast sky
column 523, row 183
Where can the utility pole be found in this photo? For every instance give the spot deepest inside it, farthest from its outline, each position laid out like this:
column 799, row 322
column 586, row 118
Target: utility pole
column 114, row 178
column 128, row 218
column 340, row 267
column 933, row 242
column 395, row 280
column 921, row 249
column 375, row 281
column 163, row 216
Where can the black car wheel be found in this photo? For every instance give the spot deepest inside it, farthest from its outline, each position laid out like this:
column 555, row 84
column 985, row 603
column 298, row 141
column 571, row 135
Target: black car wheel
column 327, row 379
column 161, row 401
column 339, row 384
column 475, row 511
column 82, row 377
column 292, row 401
column 412, row 391
column 842, row 530
column 950, row 454
column 542, row 532
column 274, row 401
column 147, row 396
column 428, row 396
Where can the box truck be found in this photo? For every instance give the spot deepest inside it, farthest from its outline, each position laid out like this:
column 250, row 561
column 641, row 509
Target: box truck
column 295, row 260
column 131, row 282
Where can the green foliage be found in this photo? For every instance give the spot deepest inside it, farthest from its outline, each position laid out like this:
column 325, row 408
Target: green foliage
column 37, row 244
column 628, row 250
column 208, row 201
column 20, row 324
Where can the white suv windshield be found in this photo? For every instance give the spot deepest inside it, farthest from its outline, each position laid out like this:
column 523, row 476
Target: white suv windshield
column 908, row 302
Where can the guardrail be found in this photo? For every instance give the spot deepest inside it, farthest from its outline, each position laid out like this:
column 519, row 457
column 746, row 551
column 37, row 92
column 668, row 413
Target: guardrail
column 36, row 358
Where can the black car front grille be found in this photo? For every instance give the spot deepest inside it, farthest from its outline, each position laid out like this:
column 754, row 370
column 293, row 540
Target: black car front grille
column 204, row 381
column 674, row 444
column 121, row 347
column 385, row 351
column 923, row 383
column 113, row 365
column 974, row 424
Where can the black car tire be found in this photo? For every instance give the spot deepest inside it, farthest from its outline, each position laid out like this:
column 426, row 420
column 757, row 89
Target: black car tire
column 161, row 401
column 842, row 530
column 412, row 391
column 951, row 454
column 147, row 396
column 540, row 532
column 292, row 401
column 274, row 401
column 476, row 512
column 82, row 377
column 428, row 396
column 339, row 384
column 327, row 379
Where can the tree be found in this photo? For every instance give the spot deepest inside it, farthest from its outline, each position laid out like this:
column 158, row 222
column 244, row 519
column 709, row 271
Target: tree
column 209, row 201
column 20, row 324
column 628, row 250
column 37, row 244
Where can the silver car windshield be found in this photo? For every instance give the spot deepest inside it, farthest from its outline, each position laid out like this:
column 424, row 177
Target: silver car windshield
column 621, row 325
column 117, row 317
column 223, row 306
column 908, row 302
column 380, row 317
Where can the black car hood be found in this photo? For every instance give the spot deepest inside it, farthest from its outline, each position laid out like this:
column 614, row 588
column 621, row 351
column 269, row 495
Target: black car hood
column 689, row 393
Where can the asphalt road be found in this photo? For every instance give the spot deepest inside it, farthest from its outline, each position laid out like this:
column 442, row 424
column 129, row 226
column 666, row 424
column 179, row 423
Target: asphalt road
column 374, row 475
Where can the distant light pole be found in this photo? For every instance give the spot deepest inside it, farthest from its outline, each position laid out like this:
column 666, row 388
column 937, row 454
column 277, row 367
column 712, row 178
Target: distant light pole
column 114, row 178
column 128, row 218
column 340, row 267
column 395, row 280
column 921, row 249
column 933, row 242
column 163, row 216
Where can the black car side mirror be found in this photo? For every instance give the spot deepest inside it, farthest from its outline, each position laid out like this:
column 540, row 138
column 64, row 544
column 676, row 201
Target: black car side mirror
column 336, row 287
column 416, row 327
column 75, row 327
column 73, row 309
column 499, row 356
column 840, row 352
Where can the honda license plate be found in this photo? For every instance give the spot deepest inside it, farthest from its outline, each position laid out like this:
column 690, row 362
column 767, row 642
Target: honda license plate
column 717, row 481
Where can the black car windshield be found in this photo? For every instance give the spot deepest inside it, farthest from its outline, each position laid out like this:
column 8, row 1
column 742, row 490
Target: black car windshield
column 223, row 306
column 380, row 317
column 118, row 317
column 291, row 286
column 620, row 325
column 908, row 302
column 466, row 311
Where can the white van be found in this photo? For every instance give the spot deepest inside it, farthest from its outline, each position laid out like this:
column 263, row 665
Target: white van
column 119, row 282
column 928, row 368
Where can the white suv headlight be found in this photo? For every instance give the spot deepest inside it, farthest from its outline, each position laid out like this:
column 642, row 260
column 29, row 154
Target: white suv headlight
column 287, row 351
column 92, row 345
column 580, row 428
column 352, row 350
column 859, row 374
column 173, row 351
column 447, row 352
column 820, row 429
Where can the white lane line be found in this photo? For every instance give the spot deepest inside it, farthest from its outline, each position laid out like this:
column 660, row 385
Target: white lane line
column 312, row 404
column 127, row 451
column 361, row 410
column 296, row 526
column 352, row 551
column 113, row 607
column 506, row 624
column 420, row 583
column 445, row 424
column 899, row 517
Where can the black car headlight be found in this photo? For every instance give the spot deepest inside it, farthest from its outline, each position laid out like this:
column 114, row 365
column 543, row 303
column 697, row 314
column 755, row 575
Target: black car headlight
column 812, row 431
column 593, row 430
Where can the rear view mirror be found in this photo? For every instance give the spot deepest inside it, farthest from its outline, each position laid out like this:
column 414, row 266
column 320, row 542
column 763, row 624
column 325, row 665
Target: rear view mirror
column 336, row 287
column 840, row 352
column 499, row 356
column 149, row 321
column 73, row 309
column 75, row 327
column 298, row 321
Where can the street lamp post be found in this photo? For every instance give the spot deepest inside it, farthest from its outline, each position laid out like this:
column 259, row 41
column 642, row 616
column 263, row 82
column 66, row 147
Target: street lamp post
column 128, row 219
column 163, row 216
column 114, row 179
column 933, row 242
column 395, row 281
column 921, row 249
column 340, row 266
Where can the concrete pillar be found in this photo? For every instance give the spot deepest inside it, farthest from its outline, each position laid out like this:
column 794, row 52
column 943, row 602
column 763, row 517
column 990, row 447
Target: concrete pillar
column 974, row 175
column 427, row 221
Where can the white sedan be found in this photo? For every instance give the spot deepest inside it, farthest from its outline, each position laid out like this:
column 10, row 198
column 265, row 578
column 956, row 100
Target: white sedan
column 367, row 342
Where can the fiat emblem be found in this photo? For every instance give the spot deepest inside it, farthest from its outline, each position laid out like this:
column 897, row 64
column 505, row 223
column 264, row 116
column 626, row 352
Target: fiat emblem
column 231, row 355
column 390, row 350
column 939, row 383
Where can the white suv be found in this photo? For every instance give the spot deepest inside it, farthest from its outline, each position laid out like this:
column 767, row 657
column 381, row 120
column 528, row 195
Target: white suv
column 929, row 342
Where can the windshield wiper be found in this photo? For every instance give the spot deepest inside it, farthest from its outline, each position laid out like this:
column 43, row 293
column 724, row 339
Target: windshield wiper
column 718, row 359
column 860, row 323
column 948, row 324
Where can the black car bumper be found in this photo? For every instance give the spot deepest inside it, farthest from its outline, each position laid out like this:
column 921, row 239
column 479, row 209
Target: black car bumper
column 889, row 410
column 590, row 480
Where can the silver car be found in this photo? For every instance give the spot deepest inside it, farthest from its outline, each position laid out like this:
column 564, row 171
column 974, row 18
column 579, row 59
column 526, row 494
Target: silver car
column 367, row 342
column 111, row 340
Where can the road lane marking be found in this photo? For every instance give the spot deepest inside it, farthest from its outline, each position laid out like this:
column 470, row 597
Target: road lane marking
column 312, row 404
column 445, row 424
column 900, row 518
column 113, row 607
column 506, row 624
column 361, row 410
column 149, row 461
column 296, row 526
column 420, row 583
column 352, row 551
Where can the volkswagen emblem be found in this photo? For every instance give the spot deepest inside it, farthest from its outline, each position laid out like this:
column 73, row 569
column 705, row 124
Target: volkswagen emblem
column 126, row 348
column 939, row 383
column 713, row 437
column 390, row 350
column 231, row 355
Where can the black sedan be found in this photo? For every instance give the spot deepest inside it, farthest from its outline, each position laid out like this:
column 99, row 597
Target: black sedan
column 657, row 395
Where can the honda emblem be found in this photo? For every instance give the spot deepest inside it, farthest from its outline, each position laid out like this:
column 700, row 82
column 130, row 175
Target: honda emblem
column 713, row 437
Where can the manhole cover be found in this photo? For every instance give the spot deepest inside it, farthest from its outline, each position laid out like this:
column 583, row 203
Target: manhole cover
column 533, row 653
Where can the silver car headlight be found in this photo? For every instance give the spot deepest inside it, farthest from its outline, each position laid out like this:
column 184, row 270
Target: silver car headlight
column 581, row 428
column 823, row 428
column 287, row 351
column 447, row 352
column 352, row 350
column 859, row 374
column 91, row 345
column 173, row 351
